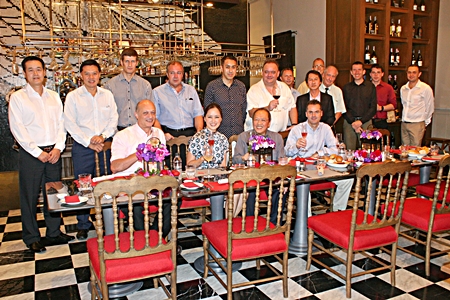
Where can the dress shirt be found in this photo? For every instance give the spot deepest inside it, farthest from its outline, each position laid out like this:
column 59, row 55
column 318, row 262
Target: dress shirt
column 303, row 88
column 360, row 101
column 418, row 103
column 295, row 93
column 127, row 95
column 232, row 100
column 37, row 120
column 338, row 98
column 198, row 142
column 86, row 116
column 326, row 102
column 259, row 96
column 126, row 141
column 242, row 145
column 177, row 110
column 315, row 140
column 385, row 96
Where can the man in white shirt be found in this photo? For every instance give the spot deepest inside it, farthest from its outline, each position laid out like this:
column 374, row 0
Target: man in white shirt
column 264, row 94
column 37, row 124
column 123, row 155
column 418, row 107
column 328, row 87
column 90, row 116
column 319, row 66
column 319, row 135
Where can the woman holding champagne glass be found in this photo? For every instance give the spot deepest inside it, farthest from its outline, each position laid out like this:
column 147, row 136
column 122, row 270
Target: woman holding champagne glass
column 208, row 147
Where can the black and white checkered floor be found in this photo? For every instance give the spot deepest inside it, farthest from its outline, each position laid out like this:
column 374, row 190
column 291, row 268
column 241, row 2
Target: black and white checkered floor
column 63, row 273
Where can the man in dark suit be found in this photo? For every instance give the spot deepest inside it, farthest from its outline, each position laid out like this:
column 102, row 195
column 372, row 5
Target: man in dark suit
column 314, row 80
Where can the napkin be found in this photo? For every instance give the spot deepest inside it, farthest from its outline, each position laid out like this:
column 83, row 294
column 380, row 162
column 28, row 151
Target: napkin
column 190, row 185
column 72, row 199
column 217, row 186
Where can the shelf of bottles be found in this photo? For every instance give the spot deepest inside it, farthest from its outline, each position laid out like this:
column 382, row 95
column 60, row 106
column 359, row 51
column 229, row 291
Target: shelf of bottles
column 397, row 34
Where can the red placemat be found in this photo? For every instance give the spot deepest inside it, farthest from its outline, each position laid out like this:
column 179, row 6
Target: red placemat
column 72, row 199
column 215, row 186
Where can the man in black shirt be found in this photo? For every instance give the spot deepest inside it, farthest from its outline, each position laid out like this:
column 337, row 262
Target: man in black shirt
column 360, row 100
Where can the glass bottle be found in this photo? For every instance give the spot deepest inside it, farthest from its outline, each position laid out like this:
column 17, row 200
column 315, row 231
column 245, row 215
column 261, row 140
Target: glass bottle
column 177, row 163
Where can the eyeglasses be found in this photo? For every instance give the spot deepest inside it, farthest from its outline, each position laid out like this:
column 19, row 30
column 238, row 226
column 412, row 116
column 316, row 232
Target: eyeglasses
column 318, row 66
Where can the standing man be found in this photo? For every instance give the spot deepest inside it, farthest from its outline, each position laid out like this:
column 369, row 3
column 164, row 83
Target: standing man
column 128, row 88
column 418, row 107
column 90, row 116
column 314, row 80
column 318, row 65
column 37, row 123
column 230, row 94
column 287, row 76
column 319, row 135
column 386, row 99
column 263, row 95
column 360, row 98
column 328, row 87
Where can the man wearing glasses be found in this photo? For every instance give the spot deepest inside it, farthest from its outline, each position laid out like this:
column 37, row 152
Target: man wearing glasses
column 319, row 66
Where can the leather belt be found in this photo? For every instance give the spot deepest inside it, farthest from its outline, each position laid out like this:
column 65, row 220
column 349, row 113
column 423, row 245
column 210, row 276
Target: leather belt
column 165, row 128
column 378, row 120
column 47, row 148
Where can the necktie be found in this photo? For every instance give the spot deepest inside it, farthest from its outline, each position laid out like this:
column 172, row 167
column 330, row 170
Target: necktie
column 326, row 90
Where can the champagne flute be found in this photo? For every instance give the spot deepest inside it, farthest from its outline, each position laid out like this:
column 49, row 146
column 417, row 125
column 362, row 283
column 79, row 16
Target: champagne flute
column 208, row 156
column 304, row 134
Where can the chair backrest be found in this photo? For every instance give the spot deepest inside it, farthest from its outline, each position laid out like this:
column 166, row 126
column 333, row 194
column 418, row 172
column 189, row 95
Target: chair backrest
column 231, row 139
column 394, row 196
column 264, row 176
column 386, row 139
column 284, row 134
column 444, row 207
column 177, row 142
column 136, row 187
column 106, row 147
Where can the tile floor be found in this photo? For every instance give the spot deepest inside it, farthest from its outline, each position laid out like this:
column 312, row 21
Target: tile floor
column 62, row 272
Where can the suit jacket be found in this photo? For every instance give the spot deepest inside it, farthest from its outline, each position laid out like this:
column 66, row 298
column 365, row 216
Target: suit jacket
column 326, row 101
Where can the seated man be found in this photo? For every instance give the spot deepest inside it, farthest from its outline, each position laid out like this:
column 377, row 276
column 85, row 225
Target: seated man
column 261, row 124
column 123, row 155
column 319, row 135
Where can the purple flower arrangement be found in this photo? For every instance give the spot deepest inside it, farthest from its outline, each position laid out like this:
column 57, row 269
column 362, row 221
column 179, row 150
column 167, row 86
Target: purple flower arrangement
column 371, row 134
column 257, row 142
column 366, row 156
column 151, row 153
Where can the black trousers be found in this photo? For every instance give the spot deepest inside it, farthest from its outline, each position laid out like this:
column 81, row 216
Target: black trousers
column 33, row 174
column 380, row 123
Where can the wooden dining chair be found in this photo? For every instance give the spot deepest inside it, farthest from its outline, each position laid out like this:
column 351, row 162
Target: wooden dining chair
column 106, row 147
column 429, row 218
column 133, row 255
column 251, row 237
column 188, row 205
column 355, row 230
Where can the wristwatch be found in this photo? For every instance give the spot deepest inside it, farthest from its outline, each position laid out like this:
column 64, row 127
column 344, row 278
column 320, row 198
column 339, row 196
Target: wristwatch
column 103, row 136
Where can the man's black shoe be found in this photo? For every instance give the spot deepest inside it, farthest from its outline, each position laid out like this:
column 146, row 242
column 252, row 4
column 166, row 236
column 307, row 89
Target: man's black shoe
column 82, row 234
column 37, row 247
column 179, row 249
column 60, row 239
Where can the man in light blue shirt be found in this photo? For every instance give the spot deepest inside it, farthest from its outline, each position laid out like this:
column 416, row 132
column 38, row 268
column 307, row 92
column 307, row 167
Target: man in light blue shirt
column 319, row 135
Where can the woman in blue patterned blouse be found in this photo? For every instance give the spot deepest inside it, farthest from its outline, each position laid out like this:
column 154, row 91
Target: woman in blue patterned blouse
column 213, row 118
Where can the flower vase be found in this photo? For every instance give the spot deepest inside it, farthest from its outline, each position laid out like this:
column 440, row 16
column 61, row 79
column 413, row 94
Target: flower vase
column 263, row 154
column 152, row 167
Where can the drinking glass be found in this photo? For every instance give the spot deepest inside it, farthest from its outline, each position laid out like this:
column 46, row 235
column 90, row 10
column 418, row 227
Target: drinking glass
column 208, row 156
column 283, row 161
column 85, row 182
column 304, row 134
column 434, row 149
column 190, row 171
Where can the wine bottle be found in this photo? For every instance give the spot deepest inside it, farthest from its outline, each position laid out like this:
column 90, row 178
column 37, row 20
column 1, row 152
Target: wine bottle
column 367, row 55
column 422, row 5
column 419, row 59
column 391, row 57
column 419, row 31
column 369, row 25
column 397, row 57
column 390, row 79
column 373, row 57
column 398, row 29
column 413, row 57
column 402, row 3
column 375, row 1
column 393, row 3
column 414, row 30
column 392, row 28
column 394, row 84
column 415, row 5
column 375, row 26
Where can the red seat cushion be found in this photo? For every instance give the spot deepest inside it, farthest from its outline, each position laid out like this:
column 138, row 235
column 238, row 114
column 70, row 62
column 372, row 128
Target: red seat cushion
column 413, row 180
column 427, row 189
column 335, row 226
column 126, row 269
column 215, row 186
column 416, row 212
column 217, row 234
column 322, row 185
column 193, row 203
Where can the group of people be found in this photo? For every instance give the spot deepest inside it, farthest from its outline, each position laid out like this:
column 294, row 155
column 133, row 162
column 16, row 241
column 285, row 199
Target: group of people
column 129, row 112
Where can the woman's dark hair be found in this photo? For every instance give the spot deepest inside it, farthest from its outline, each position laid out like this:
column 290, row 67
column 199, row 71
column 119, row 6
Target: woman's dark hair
column 213, row 105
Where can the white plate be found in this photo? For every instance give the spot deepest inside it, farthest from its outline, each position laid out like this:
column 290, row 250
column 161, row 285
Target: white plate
column 62, row 196
column 413, row 154
column 337, row 165
column 309, row 159
column 198, row 184
column 82, row 200
column 432, row 158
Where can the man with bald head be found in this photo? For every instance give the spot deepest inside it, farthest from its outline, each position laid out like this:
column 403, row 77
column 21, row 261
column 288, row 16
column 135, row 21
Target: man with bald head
column 328, row 87
column 318, row 65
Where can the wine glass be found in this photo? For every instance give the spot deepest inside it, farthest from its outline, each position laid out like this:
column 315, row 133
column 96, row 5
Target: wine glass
column 304, row 134
column 276, row 94
column 208, row 156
